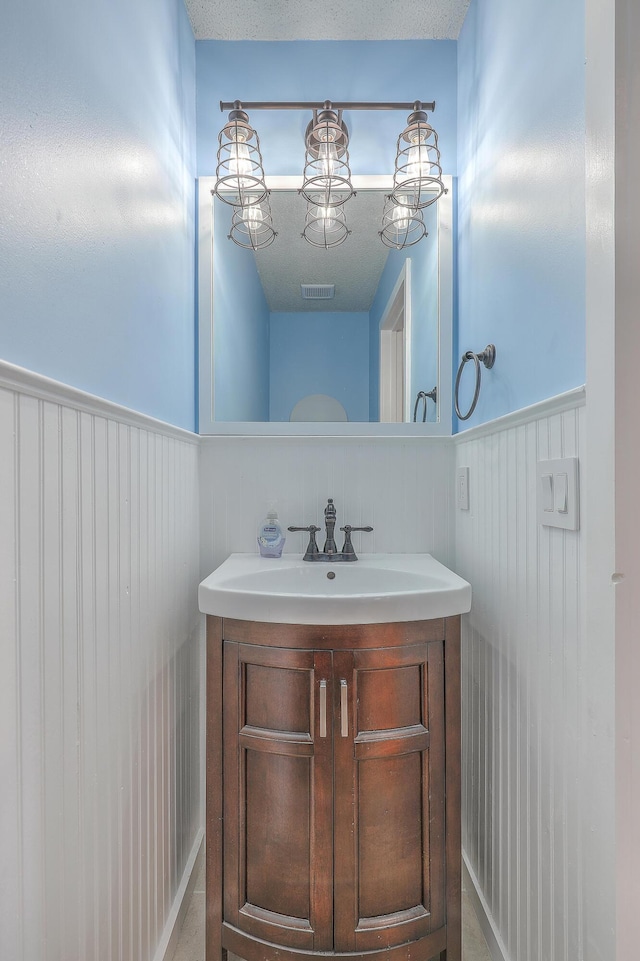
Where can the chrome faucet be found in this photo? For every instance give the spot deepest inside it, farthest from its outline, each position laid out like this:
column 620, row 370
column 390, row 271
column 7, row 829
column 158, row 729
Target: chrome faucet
column 330, row 552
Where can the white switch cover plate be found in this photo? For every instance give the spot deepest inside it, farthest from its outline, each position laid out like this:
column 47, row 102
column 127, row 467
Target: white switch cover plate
column 462, row 488
column 558, row 493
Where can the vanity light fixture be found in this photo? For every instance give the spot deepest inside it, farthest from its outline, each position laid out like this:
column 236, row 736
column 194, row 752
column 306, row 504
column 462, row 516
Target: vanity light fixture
column 240, row 174
column 326, row 167
column 417, row 180
column 326, row 187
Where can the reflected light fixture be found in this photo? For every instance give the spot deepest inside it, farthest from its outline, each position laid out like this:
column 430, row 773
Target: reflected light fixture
column 252, row 226
column 324, row 226
column 402, row 225
column 327, row 186
column 418, row 175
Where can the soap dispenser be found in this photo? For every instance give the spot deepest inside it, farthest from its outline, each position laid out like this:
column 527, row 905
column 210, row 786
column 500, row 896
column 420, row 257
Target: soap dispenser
column 271, row 537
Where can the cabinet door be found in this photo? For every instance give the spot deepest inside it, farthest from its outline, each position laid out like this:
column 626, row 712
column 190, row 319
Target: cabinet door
column 278, row 795
column 390, row 800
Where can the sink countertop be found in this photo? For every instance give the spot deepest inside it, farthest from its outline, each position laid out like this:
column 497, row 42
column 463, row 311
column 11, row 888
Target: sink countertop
column 377, row 588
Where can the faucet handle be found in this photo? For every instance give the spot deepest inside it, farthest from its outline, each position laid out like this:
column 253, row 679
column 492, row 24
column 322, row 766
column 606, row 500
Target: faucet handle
column 347, row 550
column 312, row 547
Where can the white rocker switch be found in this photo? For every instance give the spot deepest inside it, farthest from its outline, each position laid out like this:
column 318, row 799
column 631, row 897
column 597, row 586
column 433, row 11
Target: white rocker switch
column 561, row 494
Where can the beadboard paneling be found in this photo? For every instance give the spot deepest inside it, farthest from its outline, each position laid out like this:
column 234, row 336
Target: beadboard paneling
column 99, row 678
column 402, row 487
column 526, row 708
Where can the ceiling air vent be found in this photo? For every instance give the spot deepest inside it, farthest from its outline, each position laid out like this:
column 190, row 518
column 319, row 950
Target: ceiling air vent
column 317, row 291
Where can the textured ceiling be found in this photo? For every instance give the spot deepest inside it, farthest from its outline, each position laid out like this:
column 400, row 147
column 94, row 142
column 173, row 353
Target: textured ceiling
column 354, row 267
column 326, row 19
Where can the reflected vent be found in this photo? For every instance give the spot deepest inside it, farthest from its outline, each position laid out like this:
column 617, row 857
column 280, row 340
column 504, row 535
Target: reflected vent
column 317, row 291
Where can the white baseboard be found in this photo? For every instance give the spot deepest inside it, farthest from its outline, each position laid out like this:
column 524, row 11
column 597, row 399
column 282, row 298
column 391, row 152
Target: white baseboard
column 490, row 931
column 167, row 944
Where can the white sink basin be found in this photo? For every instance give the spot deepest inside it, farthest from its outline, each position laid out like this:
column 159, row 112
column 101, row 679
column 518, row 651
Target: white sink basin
column 376, row 588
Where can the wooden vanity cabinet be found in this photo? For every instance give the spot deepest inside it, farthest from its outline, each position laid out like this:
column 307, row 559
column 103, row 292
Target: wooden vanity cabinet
column 333, row 791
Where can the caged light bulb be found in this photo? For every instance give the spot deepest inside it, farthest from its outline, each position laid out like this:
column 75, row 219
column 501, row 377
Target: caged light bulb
column 402, row 223
column 401, row 214
column 418, row 162
column 326, row 217
column 240, row 162
column 328, row 156
column 253, row 217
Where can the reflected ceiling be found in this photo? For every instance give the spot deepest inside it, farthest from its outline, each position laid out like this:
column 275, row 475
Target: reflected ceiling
column 354, row 267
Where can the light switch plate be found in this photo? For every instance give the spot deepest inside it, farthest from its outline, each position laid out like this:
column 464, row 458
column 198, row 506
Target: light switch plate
column 558, row 493
column 462, row 488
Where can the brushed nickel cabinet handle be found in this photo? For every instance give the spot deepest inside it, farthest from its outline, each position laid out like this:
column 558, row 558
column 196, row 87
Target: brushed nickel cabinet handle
column 344, row 709
column 323, row 708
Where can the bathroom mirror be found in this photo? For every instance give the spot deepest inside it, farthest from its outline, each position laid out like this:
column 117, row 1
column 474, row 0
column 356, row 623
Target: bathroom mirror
column 277, row 356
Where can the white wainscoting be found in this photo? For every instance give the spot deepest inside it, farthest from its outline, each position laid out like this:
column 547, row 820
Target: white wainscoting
column 401, row 486
column 528, row 718
column 99, row 674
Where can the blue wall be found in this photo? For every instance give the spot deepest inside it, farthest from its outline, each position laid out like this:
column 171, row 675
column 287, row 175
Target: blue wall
column 521, row 213
column 320, row 353
column 97, row 198
column 241, row 329
column 315, row 71
column 98, row 158
column 424, row 314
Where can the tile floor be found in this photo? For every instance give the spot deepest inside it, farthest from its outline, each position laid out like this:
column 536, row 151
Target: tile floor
column 190, row 945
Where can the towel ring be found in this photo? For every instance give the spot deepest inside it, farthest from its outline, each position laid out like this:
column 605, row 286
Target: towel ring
column 487, row 357
column 422, row 396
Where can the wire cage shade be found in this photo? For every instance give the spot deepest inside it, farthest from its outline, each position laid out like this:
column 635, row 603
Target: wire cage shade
column 402, row 225
column 325, row 226
column 252, row 226
column 326, row 166
column 240, row 174
column 417, row 181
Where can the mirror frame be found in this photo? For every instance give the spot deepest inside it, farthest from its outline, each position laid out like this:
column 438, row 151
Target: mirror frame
column 206, row 320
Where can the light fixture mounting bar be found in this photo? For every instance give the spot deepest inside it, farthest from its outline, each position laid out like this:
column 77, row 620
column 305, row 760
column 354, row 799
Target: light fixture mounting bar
column 331, row 104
